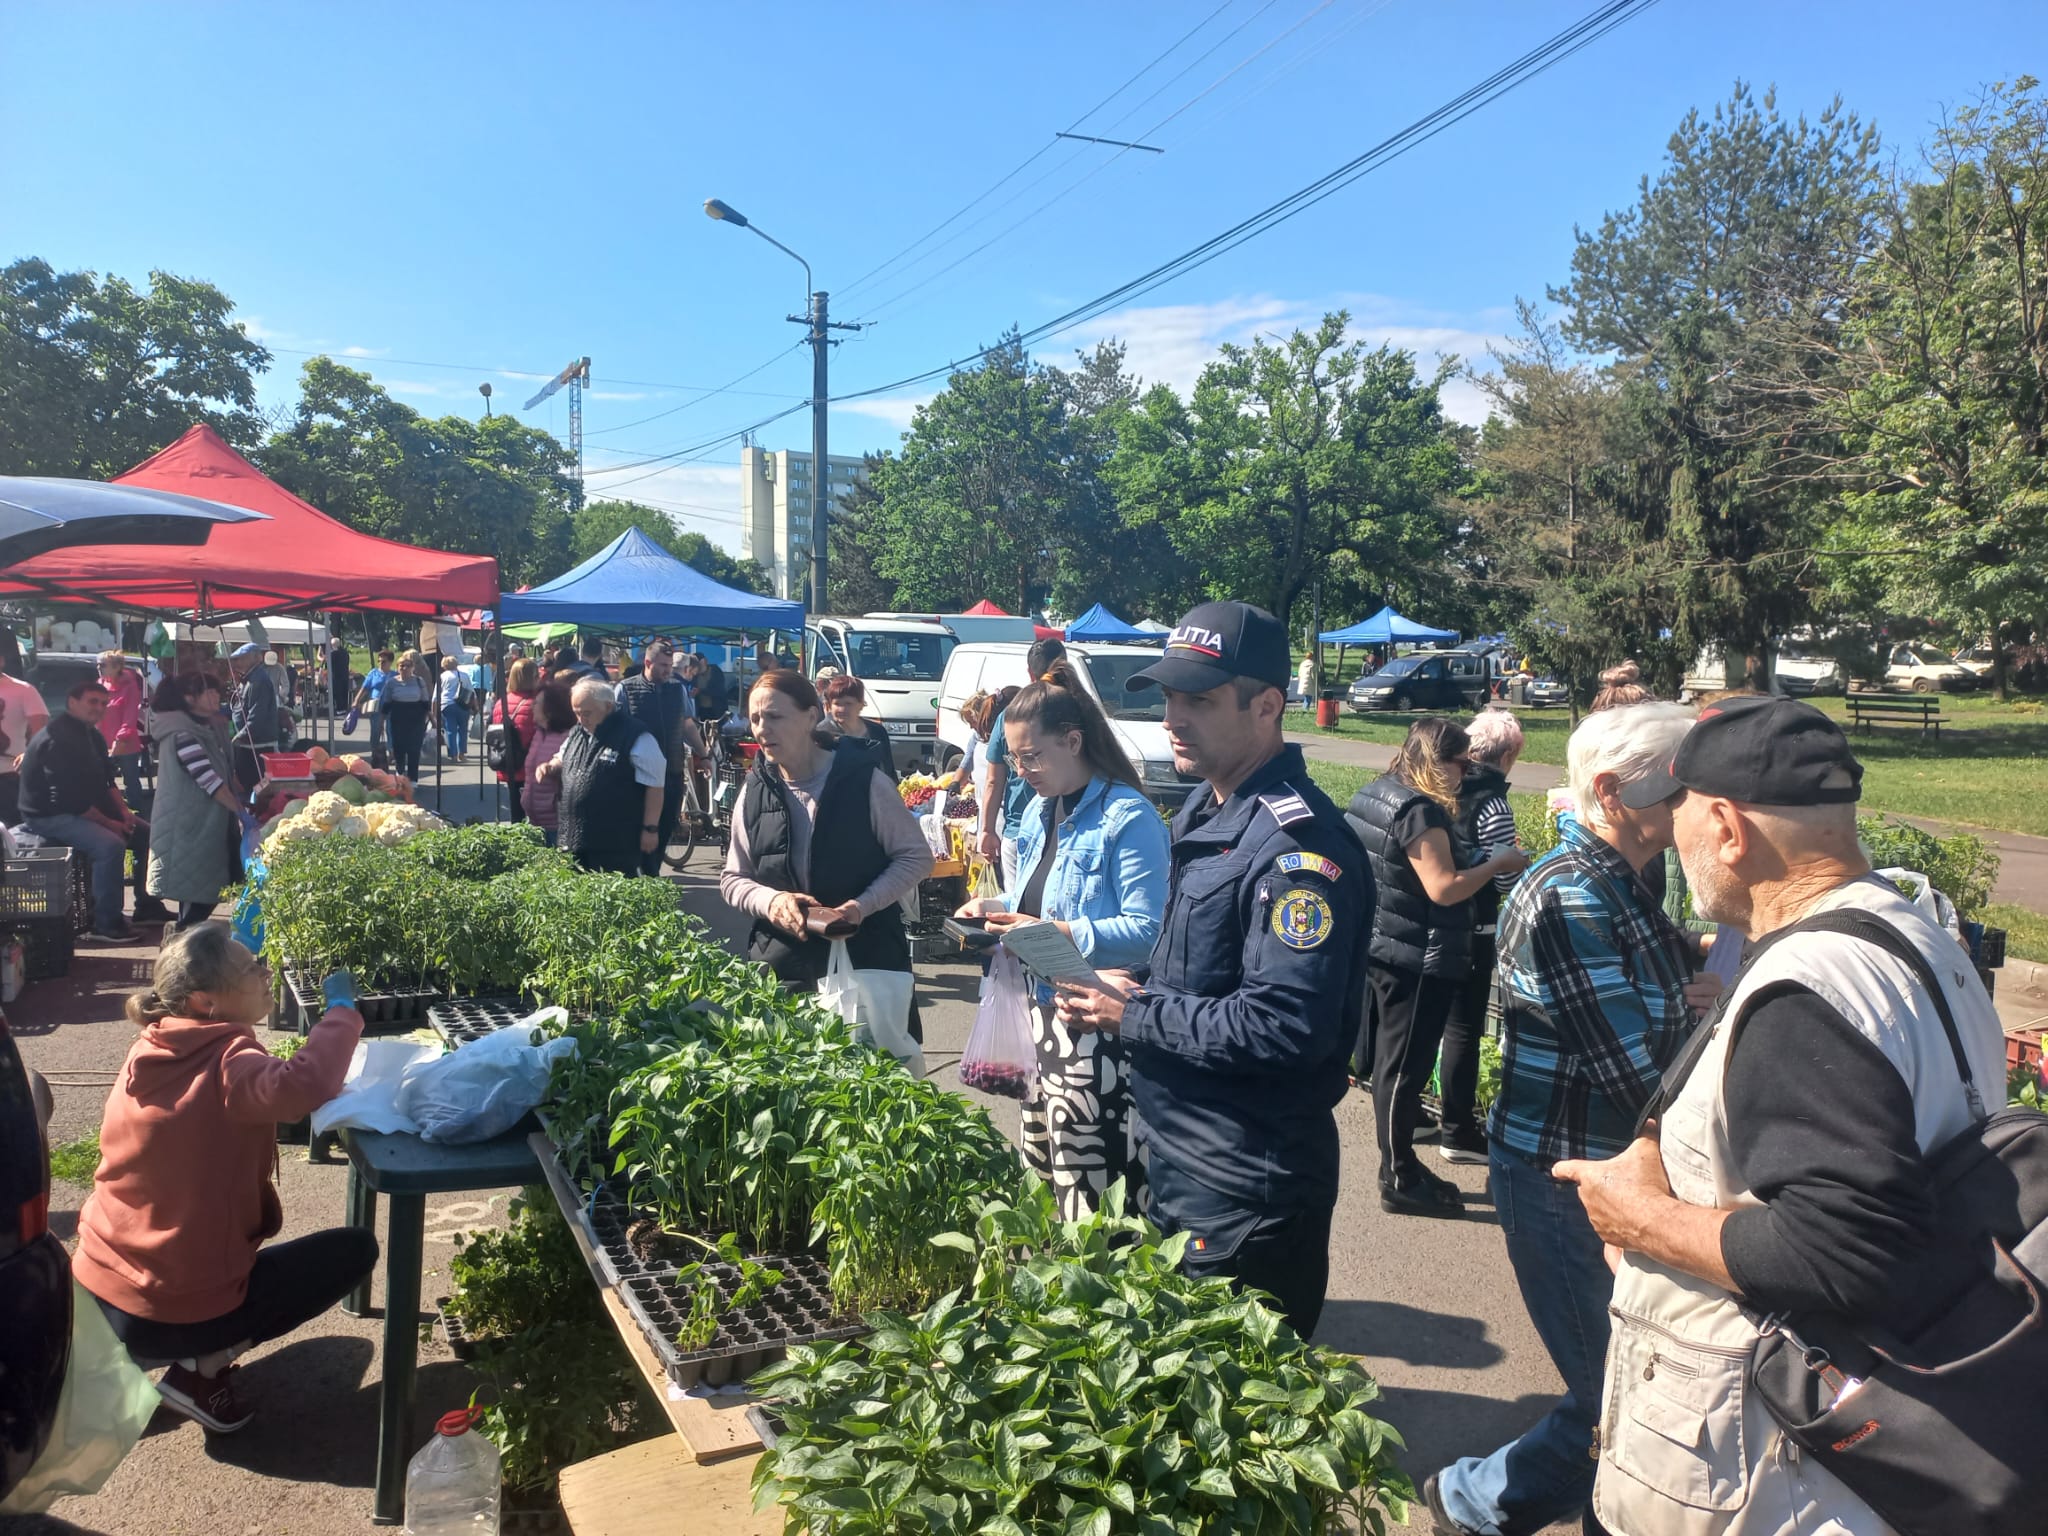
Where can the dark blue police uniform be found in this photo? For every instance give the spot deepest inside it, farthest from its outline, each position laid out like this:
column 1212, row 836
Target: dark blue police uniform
column 1240, row 1041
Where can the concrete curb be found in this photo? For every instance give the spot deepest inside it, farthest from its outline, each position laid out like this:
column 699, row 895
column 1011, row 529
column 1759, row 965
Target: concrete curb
column 2028, row 976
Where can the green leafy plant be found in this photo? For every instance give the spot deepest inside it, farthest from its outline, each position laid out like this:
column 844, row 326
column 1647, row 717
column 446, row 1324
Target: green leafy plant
column 2023, row 1084
column 1082, row 1385
column 1962, row 867
column 708, row 1301
column 77, row 1160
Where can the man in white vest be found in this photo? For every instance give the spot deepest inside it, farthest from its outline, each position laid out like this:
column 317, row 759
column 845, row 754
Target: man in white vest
column 1787, row 1166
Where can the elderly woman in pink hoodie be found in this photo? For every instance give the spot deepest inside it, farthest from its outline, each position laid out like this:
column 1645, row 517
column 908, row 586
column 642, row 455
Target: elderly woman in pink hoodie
column 170, row 1242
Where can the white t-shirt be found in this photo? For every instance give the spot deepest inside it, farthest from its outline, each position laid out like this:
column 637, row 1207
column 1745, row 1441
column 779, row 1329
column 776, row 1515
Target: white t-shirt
column 23, row 705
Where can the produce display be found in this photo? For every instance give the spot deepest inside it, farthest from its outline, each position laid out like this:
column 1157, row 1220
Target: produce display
column 917, row 789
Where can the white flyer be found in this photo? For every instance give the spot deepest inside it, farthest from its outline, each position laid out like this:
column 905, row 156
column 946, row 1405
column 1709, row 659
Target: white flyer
column 1049, row 954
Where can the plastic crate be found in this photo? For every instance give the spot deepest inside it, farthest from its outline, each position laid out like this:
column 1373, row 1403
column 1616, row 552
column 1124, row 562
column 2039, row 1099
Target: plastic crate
column 1991, row 949
column 389, row 1011
column 459, row 1020
column 41, row 883
column 280, row 766
column 46, row 946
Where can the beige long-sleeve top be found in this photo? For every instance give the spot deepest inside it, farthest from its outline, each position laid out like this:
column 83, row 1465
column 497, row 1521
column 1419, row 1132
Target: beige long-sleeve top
column 910, row 859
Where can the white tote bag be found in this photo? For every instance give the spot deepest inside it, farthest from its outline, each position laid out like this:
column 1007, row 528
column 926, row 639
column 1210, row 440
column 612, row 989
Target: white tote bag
column 875, row 1005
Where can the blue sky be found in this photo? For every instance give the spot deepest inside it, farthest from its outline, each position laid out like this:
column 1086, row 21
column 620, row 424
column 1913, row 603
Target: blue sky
column 451, row 193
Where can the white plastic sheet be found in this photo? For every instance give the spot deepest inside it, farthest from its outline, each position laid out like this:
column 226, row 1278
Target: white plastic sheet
column 105, row 1404
column 471, row 1093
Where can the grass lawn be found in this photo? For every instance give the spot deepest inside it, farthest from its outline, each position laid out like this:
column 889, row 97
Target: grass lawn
column 2026, row 933
column 1989, row 769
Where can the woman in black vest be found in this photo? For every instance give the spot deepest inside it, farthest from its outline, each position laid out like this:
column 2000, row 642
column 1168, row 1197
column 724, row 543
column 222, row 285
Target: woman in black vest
column 611, row 769
column 1421, row 942
column 820, row 835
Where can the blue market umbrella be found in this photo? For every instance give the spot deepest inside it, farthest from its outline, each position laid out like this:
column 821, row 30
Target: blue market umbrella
column 39, row 514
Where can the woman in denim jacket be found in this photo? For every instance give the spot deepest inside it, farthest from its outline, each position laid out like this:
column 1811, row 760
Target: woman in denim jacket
column 1092, row 858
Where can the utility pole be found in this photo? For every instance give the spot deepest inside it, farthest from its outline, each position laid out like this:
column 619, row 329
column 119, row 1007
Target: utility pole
column 821, row 326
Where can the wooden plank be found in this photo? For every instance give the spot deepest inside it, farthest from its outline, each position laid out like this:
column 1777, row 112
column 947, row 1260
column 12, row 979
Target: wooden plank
column 655, row 1489
column 714, row 1429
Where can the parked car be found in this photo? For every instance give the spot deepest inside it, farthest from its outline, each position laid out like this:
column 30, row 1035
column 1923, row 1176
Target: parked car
column 1548, row 692
column 1924, row 669
column 54, row 674
column 1439, row 681
column 35, row 1278
column 1137, row 716
column 1977, row 660
column 1802, row 668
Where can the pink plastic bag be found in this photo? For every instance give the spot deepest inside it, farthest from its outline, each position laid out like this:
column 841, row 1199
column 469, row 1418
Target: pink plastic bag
column 1000, row 1057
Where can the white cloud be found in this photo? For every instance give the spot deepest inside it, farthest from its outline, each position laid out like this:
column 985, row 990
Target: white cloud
column 701, row 498
column 362, row 352
column 1172, row 343
column 899, row 413
column 603, row 394
column 433, row 389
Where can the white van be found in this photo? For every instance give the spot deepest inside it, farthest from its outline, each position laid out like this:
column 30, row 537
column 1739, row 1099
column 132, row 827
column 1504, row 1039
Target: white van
column 975, row 626
column 1137, row 716
column 900, row 663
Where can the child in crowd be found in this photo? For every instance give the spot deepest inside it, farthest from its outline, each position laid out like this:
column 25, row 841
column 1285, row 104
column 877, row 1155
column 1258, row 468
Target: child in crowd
column 169, row 1241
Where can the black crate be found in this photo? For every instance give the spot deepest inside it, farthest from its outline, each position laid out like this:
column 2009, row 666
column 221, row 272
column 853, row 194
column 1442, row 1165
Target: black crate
column 38, row 883
column 459, row 1020
column 46, row 946
column 798, row 1311
column 390, row 1011
column 1991, row 949
column 460, row 1340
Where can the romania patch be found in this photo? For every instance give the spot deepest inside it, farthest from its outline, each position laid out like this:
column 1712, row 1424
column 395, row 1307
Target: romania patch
column 1308, row 864
column 1301, row 919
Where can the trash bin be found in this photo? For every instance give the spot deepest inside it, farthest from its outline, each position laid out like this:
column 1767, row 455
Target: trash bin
column 1518, row 690
column 1326, row 708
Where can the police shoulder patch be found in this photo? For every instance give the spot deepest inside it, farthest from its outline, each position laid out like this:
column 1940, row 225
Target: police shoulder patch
column 1287, row 807
column 1303, row 862
column 1301, row 918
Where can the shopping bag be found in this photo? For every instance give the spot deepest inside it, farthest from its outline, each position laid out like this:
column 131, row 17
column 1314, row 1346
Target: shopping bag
column 1000, row 1057
column 483, row 1087
column 986, row 882
column 934, row 825
column 105, row 1403
column 351, row 720
column 875, row 1005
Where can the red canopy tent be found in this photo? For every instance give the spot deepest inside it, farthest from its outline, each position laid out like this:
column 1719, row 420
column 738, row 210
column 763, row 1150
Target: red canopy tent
column 985, row 610
column 299, row 559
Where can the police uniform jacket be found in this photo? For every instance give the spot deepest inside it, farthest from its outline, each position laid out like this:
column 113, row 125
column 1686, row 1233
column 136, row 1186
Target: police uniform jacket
column 1240, row 1040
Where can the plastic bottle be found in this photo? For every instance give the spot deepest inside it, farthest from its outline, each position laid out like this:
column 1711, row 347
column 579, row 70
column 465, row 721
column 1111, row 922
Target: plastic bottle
column 451, row 1487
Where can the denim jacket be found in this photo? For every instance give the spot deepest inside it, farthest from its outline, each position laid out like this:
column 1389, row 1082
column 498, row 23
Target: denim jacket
column 1108, row 878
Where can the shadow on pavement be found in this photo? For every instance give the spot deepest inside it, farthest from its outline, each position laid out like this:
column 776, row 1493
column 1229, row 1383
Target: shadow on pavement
column 1440, row 1427
column 1392, row 1330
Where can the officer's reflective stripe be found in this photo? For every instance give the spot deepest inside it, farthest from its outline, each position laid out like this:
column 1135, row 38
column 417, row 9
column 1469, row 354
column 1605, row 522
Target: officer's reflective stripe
column 1287, row 808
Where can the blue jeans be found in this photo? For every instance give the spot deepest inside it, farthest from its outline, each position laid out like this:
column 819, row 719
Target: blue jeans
column 455, row 729
column 105, row 850
column 1547, row 1475
column 130, row 765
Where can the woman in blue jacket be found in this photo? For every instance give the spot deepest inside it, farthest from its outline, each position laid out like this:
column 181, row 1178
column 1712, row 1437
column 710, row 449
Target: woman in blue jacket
column 1091, row 858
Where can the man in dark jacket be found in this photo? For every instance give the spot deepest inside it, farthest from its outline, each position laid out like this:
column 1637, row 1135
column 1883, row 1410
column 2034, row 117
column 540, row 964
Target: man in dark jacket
column 660, row 701
column 1238, row 1035
column 255, row 713
column 68, row 796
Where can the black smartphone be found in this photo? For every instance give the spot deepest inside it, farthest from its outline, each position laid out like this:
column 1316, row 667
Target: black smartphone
column 972, row 932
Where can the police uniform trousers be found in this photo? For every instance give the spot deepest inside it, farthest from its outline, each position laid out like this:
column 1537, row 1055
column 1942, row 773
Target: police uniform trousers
column 1080, row 1134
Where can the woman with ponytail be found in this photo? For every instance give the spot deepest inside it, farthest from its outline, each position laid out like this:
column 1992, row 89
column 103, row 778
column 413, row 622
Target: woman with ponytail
column 1421, row 941
column 1092, row 859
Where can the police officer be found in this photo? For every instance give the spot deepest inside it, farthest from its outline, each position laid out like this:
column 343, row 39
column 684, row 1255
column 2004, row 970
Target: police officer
column 1238, row 1037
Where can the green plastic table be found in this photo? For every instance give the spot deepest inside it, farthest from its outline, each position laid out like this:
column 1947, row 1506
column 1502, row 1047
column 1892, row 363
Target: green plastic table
column 408, row 1169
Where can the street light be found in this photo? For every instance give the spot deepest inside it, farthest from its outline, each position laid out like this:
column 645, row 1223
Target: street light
column 484, row 389
column 821, row 342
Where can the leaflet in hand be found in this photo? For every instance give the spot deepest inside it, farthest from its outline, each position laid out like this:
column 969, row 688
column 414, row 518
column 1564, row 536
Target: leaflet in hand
column 1049, row 954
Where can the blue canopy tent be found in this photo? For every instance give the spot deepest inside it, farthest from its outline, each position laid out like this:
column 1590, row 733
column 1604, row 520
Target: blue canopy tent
column 1385, row 628
column 1098, row 623
column 635, row 584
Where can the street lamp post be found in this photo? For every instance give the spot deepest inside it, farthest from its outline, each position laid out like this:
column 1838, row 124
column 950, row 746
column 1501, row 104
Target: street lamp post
column 821, row 326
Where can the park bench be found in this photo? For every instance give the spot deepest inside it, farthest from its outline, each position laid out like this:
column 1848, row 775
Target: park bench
column 1866, row 711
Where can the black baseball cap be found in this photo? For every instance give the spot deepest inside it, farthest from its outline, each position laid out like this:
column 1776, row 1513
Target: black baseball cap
column 1216, row 642
column 1762, row 751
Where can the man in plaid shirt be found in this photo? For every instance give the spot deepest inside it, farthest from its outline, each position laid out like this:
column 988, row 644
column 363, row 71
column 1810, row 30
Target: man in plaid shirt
column 1599, row 997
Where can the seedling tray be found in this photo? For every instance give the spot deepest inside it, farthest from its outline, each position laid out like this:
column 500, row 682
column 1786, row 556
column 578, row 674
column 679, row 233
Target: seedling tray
column 640, row 1263
column 460, row 1340
column 392, row 1011
column 459, row 1020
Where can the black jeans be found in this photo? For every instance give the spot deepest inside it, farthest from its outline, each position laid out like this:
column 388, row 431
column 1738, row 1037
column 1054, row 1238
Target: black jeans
column 1412, row 1012
column 518, row 791
column 408, row 726
column 290, row 1284
column 1285, row 1253
column 1462, row 1032
column 191, row 913
column 671, row 809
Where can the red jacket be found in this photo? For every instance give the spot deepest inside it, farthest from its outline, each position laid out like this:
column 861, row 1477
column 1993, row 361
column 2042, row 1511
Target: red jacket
column 183, row 1196
column 122, row 723
column 521, row 706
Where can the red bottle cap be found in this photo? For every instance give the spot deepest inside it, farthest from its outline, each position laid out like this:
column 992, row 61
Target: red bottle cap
column 460, row 1421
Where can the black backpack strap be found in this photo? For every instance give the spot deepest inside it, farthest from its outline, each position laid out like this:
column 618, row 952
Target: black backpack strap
column 1875, row 930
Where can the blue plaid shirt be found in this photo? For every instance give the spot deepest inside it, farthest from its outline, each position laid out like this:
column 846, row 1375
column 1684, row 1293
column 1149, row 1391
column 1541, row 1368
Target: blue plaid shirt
column 1592, row 977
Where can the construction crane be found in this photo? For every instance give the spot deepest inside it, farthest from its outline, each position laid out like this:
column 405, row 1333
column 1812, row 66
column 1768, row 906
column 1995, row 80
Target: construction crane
column 577, row 377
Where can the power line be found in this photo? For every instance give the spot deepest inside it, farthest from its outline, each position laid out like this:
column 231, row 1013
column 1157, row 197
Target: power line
column 722, row 389
column 1554, row 50
column 696, row 451
column 350, row 360
column 1025, row 164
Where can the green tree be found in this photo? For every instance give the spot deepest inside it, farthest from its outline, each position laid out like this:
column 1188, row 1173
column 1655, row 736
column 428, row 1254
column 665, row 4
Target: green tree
column 852, row 585
column 1944, row 412
column 495, row 487
column 1286, row 456
column 1714, row 295
column 97, row 375
column 599, row 522
column 974, row 504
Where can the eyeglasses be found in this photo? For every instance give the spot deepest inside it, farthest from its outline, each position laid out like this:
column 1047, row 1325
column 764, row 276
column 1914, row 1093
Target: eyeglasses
column 1030, row 762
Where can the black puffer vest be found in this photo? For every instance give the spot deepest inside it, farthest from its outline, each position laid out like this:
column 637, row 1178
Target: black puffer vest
column 662, row 708
column 601, row 806
column 1409, row 931
column 846, row 856
column 1483, row 782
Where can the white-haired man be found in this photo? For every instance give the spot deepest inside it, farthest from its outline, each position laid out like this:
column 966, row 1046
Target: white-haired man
column 1598, row 997
column 1786, row 1166
column 612, row 772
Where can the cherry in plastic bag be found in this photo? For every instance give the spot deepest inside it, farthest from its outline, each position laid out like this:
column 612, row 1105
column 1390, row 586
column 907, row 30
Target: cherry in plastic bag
column 1000, row 1057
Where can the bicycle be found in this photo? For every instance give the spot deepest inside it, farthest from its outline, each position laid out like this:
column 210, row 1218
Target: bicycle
column 706, row 813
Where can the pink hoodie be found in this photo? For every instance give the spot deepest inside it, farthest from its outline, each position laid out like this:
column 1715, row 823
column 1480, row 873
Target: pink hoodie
column 122, row 723
column 183, row 1197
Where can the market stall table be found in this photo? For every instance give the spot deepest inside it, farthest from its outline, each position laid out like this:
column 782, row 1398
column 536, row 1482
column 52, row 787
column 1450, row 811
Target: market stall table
column 408, row 1170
